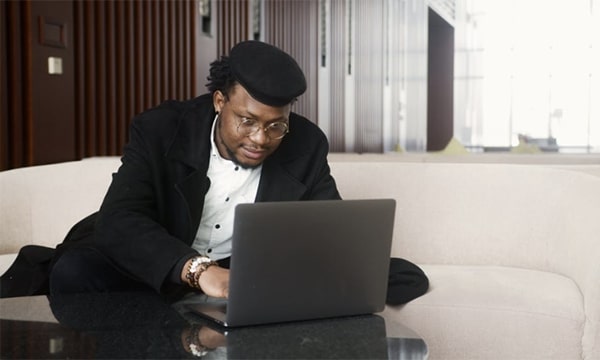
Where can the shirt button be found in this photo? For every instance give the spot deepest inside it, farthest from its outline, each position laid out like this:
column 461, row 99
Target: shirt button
column 227, row 199
column 217, row 226
column 209, row 251
column 236, row 168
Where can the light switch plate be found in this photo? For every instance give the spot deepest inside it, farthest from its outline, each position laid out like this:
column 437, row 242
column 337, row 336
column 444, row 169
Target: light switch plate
column 55, row 66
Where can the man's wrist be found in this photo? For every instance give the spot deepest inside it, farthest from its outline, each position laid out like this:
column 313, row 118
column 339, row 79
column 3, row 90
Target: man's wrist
column 192, row 343
column 194, row 269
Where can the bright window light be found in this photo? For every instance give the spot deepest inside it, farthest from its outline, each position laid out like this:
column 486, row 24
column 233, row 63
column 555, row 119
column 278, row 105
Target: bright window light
column 534, row 72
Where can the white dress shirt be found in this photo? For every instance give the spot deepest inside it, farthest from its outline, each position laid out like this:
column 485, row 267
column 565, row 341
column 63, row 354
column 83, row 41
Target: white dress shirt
column 230, row 184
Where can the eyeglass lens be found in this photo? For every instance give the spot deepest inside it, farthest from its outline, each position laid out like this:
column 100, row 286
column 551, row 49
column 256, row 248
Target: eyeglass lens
column 274, row 131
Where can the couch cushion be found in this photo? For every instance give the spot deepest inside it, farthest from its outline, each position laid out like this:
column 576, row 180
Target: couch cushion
column 6, row 261
column 489, row 312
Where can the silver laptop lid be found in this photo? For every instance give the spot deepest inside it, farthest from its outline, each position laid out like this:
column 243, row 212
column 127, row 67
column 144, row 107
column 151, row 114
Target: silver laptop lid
column 309, row 259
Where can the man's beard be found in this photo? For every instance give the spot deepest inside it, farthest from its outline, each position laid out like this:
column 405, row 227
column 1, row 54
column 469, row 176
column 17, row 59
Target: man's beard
column 235, row 160
column 230, row 152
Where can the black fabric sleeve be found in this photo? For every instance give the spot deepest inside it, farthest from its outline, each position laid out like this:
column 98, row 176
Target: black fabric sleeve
column 406, row 282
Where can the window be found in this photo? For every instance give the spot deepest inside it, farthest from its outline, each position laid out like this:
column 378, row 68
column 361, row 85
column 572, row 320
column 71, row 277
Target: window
column 529, row 69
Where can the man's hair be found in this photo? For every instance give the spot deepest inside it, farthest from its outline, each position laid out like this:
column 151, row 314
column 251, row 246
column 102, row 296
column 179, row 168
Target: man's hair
column 220, row 77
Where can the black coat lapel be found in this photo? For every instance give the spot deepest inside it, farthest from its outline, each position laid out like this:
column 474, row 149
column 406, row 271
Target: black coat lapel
column 191, row 143
column 193, row 189
column 188, row 154
column 277, row 183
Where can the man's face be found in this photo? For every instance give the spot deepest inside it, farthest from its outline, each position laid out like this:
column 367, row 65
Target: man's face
column 248, row 151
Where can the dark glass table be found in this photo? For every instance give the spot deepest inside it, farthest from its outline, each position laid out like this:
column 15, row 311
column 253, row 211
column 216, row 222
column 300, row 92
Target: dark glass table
column 143, row 325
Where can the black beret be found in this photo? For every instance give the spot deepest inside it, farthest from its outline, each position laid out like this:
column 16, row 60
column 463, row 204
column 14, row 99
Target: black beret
column 270, row 75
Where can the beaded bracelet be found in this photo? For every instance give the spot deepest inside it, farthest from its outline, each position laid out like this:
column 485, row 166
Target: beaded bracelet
column 193, row 342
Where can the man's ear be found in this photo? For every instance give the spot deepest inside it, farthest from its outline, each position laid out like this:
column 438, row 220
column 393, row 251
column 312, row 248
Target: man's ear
column 218, row 100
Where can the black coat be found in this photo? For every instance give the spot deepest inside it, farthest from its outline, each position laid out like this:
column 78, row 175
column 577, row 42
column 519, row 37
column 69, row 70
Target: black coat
column 153, row 207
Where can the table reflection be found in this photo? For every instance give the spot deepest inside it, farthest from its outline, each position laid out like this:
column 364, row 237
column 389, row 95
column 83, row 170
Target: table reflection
column 143, row 325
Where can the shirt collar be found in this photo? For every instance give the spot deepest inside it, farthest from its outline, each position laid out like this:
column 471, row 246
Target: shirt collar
column 214, row 150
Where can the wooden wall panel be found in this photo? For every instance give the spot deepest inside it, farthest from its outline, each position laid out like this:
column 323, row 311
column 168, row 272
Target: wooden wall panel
column 4, row 154
column 132, row 55
column 119, row 58
column 49, row 98
column 15, row 123
column 38, row 119
column 233, row 24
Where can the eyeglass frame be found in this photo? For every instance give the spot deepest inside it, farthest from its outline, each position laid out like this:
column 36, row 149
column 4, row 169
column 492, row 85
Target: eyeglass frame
column 255, row 127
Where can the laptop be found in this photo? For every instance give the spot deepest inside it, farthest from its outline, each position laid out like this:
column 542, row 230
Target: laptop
column 304, row 260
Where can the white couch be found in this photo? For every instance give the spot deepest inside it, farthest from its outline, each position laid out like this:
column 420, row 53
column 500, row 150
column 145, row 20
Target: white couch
column 512, row 251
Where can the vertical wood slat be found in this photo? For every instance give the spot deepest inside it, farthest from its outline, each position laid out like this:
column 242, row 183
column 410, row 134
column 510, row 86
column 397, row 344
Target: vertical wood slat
column 156, row 41
column 188, row 11
column 111, row 113
column 27, row 83
column 100, row 78
column 78, row 41
column 4, row 139
column 130, row 76
column 15, row 118
column 234, row 24
column 145, row 60
column 120, row 73
column 138, row 17
column 164, row 81
column 89, row 64
column 171, row 48
column 180, row 45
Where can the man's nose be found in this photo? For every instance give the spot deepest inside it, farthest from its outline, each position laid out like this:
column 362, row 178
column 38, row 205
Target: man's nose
column 260, row 137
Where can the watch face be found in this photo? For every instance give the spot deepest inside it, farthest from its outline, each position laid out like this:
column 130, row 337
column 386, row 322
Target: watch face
column 207, row 260
column 198, row 262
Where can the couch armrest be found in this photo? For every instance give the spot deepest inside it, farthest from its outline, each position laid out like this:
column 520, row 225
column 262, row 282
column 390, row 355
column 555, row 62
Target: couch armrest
column 41, row 203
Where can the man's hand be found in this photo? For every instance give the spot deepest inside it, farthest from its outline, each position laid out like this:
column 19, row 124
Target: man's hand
column 210, row 338
column 214, row 281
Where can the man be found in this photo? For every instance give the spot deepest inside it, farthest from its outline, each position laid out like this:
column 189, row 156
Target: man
column 167, row 218
column 166, row 221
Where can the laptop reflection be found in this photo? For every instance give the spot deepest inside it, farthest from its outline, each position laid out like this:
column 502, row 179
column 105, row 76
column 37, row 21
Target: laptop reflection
column 354, row 337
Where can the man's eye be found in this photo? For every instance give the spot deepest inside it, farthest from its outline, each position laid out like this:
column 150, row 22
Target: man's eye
column 278, row 126
column 248, row 122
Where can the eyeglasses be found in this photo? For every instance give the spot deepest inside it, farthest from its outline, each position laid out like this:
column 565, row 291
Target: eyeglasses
column 273, row 131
